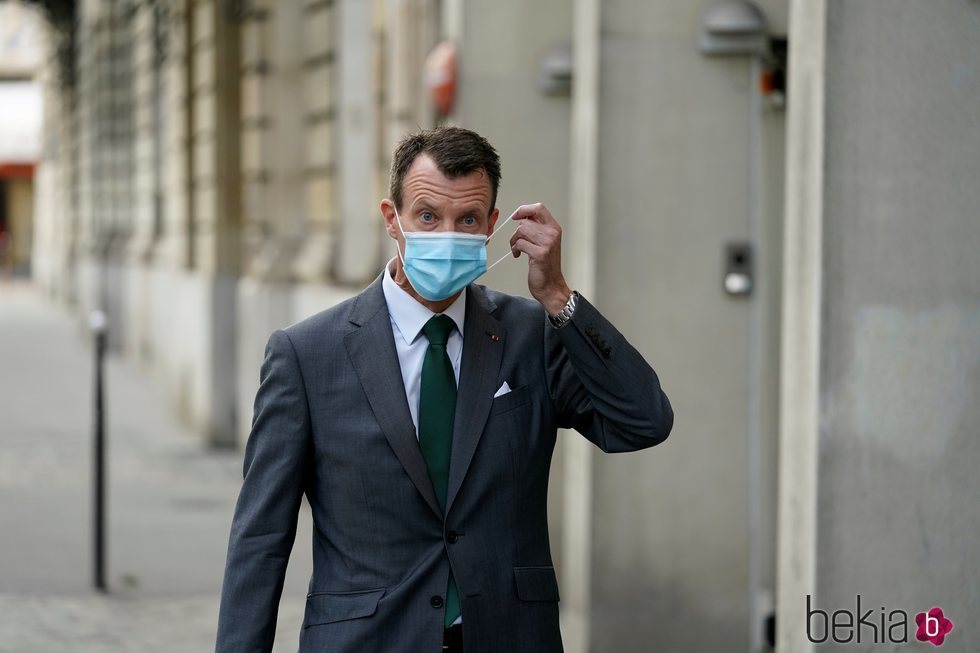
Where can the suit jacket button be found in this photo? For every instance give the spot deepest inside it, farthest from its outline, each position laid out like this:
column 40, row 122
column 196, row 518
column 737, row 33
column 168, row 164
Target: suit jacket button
column 452, row 537
column 436, row 601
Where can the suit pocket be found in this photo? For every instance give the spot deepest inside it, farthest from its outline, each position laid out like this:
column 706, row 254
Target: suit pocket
column 514, row 399
column 330, row 607
column 536, row 583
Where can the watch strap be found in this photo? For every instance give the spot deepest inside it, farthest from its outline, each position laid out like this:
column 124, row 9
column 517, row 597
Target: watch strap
column 562, row 317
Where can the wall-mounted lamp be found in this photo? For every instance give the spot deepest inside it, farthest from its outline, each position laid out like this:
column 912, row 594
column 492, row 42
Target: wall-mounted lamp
column 733, row 28
column 557, row 67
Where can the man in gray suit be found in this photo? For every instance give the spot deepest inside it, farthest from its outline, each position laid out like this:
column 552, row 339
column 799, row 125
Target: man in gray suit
column 419, row 418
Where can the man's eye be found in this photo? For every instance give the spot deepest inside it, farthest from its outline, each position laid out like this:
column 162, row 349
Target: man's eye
column 426, row 217
column 469, row 221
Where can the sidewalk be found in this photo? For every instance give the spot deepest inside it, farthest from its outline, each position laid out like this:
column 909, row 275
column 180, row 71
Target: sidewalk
column 170, row 503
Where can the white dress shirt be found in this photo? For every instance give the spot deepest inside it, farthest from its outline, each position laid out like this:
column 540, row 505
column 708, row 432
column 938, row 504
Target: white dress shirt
column 408, row 317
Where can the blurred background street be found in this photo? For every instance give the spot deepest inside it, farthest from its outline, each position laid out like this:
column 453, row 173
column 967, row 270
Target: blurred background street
column 170, row 503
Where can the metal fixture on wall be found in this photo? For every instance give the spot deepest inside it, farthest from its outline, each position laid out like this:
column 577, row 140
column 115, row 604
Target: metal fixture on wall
column 733, row 28
column 738, row 269
column 556, row 71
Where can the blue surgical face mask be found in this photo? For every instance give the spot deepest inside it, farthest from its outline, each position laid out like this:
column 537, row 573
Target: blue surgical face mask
column 440, row 264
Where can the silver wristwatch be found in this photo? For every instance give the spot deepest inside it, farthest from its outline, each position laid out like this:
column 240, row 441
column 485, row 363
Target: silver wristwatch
column 562, row 317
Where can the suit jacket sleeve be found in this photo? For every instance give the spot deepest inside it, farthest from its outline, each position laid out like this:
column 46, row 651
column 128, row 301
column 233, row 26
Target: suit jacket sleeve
column 602, row 387
column 264, row 525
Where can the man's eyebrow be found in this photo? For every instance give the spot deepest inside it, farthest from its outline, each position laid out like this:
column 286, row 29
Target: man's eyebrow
column 475, row 209
column 423, row 205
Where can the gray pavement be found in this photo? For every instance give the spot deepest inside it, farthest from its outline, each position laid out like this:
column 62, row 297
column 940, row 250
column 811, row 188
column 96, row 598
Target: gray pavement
column 171, row 500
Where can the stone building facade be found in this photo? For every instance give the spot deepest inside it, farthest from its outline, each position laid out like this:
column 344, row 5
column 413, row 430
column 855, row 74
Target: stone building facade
column 21, row 48
column 194, row 175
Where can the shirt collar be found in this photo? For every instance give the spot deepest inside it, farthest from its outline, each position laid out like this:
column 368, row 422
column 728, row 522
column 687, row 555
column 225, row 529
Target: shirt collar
column 408, row 315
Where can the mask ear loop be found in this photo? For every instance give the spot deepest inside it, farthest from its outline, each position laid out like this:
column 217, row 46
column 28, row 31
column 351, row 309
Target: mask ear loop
column 499, row 260
column 497, row 231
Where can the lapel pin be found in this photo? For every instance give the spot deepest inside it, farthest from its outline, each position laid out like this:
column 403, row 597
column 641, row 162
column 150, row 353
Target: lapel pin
column 494, row 337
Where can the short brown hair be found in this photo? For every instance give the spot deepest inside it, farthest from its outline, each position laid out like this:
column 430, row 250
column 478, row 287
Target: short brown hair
column 457, row 152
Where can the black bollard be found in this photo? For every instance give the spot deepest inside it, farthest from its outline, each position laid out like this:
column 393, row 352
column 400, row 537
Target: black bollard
column 97, row 321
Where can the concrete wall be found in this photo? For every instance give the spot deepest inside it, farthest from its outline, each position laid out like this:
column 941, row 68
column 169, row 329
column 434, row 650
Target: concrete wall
column 689, row 160
column 901, row 304
column 887, row 496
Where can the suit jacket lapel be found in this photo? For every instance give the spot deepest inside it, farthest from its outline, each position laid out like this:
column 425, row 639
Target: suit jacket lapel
column 372, row 352
column 483, row 347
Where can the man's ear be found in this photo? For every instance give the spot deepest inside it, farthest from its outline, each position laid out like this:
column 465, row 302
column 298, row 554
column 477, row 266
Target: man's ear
column 492, row 221
column 388, row 213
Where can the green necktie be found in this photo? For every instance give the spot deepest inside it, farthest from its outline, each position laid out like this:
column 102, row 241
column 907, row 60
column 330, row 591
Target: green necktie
column 437, row 409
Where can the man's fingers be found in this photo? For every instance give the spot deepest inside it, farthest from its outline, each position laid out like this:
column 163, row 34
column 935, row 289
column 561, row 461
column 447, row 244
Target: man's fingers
column 532, row 250
column 536, row 233
column 524, row 230
column 525, row 233
column 537, row 212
